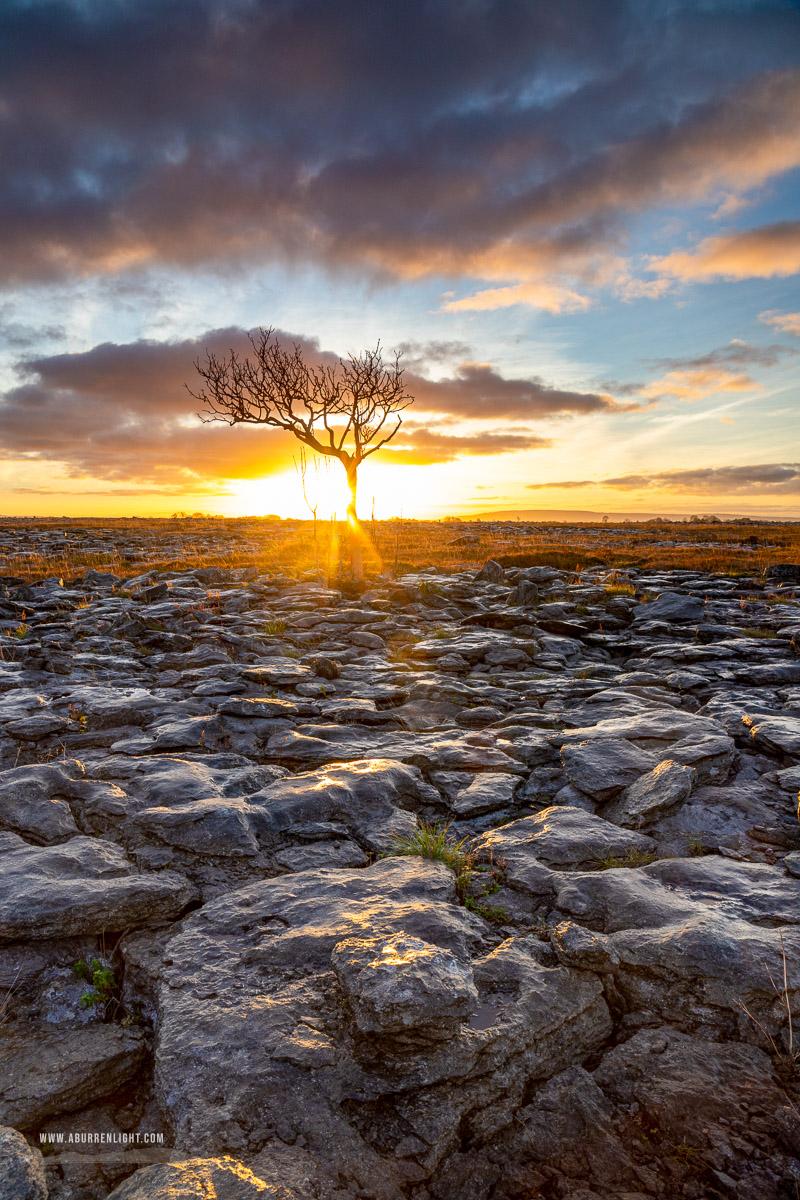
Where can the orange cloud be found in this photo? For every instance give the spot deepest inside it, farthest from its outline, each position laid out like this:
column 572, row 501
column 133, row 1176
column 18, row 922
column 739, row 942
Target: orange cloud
column 753, row 254
column 786, row 322
column 550, row 297
column 696, row 383
column 764, row 478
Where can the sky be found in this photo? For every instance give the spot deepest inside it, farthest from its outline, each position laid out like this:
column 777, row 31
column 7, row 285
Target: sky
column 578, row 222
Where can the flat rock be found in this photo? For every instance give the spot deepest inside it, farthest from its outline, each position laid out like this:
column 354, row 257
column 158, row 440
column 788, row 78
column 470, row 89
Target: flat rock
column 603, row 768
column 253, row 1044
column 85, row 885
column 654, row 729
column 710, row 755
column 487, row 791
column 777, row 735
column 32, row 800
column 558, row 836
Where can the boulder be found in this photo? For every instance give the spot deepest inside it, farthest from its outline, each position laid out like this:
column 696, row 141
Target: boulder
column 198, row 1179
column 490, row 572
column 672, row 606
column 401, row 986
column 47, row 1070
column 21, row 1168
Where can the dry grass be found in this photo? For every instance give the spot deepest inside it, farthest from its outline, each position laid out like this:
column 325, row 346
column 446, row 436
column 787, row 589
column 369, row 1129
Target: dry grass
column 132, row 546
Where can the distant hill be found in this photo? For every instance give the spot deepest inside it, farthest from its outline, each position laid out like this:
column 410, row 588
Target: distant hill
column 569, row 514
column 574, row 516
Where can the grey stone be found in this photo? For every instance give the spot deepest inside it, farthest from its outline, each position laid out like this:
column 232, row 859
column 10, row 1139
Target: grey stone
column 36, row 727
column 671, row 606
column 570, row 1127
column 401, row 985
column 47, row 1070
column 252, row 1049
column 603, row 768
column 558, row 836
column 792, row 863
column 487, row 791
column 654, row 729
column 84, row 885
column 222, row 1178
column 789, row 779
column 654, row 794
column 583, row 948
column 777, row 735
column 685, row 1084
column 711, row 756
column 490, row 572
column 21, row 1168
column 32, row 800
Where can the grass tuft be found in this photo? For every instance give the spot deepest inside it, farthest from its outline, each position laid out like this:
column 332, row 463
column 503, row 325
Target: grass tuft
column 435, row 841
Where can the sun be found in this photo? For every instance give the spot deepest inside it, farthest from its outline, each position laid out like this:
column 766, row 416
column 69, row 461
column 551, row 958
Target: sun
column 385, row 489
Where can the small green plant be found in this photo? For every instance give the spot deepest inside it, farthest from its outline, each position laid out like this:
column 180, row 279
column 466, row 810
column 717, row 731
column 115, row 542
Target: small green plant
column 632, row 858
column 437, row 842
column 490, row 912
column 104, row 988
column 760, row 631
column 443, row 633
column 684, row 1153
column 697, row 847
column 20, row 631
column 275, row 628
column 427, row 588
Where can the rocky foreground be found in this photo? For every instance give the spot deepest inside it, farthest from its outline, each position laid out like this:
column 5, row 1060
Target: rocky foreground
column 208, row 934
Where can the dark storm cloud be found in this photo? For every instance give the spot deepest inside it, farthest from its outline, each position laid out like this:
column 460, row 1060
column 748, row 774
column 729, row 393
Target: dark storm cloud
column 500, row 139
column 765, row 478
column 123, row 412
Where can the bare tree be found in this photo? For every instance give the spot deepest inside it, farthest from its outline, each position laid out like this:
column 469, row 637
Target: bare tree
column 346, row 411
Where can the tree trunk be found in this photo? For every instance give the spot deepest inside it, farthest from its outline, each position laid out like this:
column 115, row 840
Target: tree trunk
column 352, row 521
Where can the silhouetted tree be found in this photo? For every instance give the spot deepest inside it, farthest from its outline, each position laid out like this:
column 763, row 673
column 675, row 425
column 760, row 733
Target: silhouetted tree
column 340, row 411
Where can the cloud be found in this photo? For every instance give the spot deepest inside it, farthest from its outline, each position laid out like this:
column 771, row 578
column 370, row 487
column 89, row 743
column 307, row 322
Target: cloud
column 500, row 141
column 763, row 479
column 753, row 254
column 736, row 352
column 564, row 483
column 786, row 322
column 478, row 391
column 550, row 297
column 122, row 412
column 422, row 447
column 721, row 370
